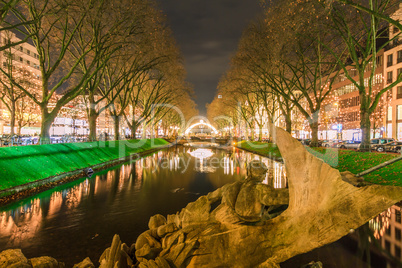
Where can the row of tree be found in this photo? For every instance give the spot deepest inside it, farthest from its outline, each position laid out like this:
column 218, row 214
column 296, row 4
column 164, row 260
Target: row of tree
column 288, row 60
column 115, row 55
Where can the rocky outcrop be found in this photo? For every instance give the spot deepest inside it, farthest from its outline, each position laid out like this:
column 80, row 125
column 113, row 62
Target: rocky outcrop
column 13, row 258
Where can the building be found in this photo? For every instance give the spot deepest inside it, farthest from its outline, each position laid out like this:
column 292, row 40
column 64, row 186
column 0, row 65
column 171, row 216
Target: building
column 393, row 68
column 23, row 62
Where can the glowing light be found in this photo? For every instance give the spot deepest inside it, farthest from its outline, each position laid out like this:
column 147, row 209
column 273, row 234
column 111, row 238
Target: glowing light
column 200, row 123
column 201, row 153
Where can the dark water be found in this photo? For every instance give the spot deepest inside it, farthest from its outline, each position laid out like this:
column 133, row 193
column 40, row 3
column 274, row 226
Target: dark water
column 79, row 219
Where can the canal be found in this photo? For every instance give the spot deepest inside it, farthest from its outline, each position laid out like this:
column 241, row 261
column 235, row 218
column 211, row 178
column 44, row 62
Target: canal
column 78, row 219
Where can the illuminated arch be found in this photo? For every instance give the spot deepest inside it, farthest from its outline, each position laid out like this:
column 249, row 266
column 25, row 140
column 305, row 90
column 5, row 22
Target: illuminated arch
column 197, row 124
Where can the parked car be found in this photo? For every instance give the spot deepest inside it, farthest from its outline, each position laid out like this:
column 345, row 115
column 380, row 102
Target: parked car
column 331, row 143
column 349, row 144
column 305, row 141
column 381, row 140
column 394, row 147
column 26, row 140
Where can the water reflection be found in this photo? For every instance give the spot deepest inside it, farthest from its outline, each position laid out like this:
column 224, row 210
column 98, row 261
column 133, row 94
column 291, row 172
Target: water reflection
column 122, row 199
column 119, row 200
column 387, row 229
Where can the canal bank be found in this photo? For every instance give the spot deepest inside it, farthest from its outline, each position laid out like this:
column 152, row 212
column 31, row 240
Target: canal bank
column 30, row 169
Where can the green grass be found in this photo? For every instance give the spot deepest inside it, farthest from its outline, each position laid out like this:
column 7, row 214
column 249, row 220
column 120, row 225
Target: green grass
column 21, row 165
column 267, row 149
column 345, row 160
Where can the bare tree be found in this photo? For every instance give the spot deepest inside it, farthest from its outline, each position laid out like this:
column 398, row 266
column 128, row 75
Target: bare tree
column 364, row 40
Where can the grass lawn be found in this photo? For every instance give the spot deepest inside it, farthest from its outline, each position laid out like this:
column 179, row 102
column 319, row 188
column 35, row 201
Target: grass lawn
column 267, row 149
column 20, row 165
column 343, row 160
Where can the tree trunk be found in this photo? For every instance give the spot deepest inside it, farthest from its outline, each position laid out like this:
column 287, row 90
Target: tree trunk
column 12, row 118
column 47, row 120
column 314, row 134
column 92, row 117
column 134, row 127
column 116, row 125
column 288, row 122
column 156, row 131
column 19, row 128
column 144, row 130
column 365, row 126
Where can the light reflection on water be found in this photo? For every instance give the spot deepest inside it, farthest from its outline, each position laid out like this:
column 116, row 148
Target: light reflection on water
column 79, row 219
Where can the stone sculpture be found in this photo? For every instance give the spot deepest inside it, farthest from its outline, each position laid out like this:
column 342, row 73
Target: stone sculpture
column 322, row 207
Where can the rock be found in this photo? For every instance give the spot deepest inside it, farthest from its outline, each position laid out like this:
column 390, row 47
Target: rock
column 45, row 262
column 152, row 264
column 256, row 170
column 175, row 252
column 166, row 229
column 351, row 178
column 125, row 248
column 86, row 263
column 156, row 221
column 196, row 212
column 112, row 256
column 13, row 258
column 186, row 253
column 313, row 265
column 162, row 262
column 171, row 239
column 147, row 238
column 104, row 254
column 171, row 218
column 146, row 252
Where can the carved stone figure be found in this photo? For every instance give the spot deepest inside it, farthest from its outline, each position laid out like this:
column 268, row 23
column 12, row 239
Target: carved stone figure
column 322, row 207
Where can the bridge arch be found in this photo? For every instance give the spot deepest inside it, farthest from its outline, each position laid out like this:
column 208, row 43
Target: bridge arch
column 198, row 124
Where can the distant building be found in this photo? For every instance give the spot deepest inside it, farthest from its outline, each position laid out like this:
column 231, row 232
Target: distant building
column 23, row 60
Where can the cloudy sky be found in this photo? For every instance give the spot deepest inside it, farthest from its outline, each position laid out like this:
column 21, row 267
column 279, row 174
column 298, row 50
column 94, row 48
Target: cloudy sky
column 207, row 32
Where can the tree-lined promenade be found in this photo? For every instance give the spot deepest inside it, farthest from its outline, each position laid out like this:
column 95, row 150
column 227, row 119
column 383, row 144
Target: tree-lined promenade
column 108, row 55
column 288, row 61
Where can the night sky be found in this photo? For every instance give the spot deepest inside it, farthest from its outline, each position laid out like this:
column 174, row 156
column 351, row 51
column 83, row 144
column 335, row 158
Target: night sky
column 207, row 33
